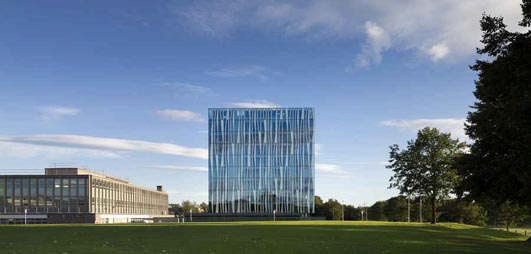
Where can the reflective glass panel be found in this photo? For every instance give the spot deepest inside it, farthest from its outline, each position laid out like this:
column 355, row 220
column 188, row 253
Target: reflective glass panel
column 261, row 160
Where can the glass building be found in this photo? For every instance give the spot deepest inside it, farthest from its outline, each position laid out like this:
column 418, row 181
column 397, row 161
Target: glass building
column 261, row 161
column 65, row 195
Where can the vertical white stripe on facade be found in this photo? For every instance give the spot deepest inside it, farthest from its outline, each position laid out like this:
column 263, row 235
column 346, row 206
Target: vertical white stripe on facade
column 262, row 159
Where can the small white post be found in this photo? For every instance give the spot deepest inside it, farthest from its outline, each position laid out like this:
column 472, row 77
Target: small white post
column 274, row 213
column 190, row 215
column 25, row 216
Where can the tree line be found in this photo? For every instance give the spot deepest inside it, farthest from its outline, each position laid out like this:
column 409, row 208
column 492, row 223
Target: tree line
column 186, row 206
column 400, row 209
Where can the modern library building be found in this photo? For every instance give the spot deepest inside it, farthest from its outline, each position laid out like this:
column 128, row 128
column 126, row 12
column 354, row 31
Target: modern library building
column 76, row 195
column 261, row 161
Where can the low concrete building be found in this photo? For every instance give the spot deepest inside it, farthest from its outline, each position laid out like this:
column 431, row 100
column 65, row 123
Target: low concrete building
column 77, row 195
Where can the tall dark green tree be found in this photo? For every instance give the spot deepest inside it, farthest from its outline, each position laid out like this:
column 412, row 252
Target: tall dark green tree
column 498, row 167
column 396, row 209
column 426, row 166
column 377, row 211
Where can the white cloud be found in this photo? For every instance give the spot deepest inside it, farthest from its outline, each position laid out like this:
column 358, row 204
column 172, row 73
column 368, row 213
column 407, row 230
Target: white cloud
column 180, row 115
column 438, row 51
column 377, row 42
column 255, row 104
column 241, row 71
column 108, row 144
column 415, row 25
column 456, row 126
column 57, row 112
column 26, row 151
column 187, row 89
column 330, row 169
column 179, row 168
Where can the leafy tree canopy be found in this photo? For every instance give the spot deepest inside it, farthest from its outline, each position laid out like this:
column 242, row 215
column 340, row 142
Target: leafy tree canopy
column 499, row 164
column 426, row 166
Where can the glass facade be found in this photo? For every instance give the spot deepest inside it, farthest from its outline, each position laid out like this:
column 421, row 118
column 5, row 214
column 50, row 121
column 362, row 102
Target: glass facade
column 43, row 194
column 261, row 160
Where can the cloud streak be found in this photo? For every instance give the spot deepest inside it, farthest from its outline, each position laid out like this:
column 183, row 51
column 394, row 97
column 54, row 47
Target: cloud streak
column 26, row 151
column 187, row 89
column 255, row 104
column 256, row 71
column 57, row 112
column 179, row 168
column 108, row 144
column 180, row 115
column 330, row 169
column 456, row 126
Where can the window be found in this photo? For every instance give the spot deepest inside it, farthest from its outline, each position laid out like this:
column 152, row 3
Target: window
column 42, row 195
column 9, row 195
column 65, row 197
column 2, row 194
column 82, row 187
column 33, row 193
column 18, row 194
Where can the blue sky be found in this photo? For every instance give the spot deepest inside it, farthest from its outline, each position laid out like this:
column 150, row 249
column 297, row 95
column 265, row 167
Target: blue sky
column 124, row 87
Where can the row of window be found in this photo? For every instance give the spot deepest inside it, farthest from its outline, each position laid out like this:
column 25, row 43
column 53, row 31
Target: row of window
column 270, row 130
column 33, row 187
column 116, row 197
column 38, row 194
column 241, row 175
column 299, row 113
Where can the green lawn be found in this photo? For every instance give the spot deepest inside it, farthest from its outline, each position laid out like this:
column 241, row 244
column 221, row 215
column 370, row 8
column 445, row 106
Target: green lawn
column 260, row 237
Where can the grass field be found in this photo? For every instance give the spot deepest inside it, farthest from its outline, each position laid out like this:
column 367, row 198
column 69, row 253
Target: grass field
column 260, row 237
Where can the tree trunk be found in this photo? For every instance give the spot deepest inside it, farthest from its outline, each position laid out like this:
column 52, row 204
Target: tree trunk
column 420, row 209
column 408, row 210
column 433, row 218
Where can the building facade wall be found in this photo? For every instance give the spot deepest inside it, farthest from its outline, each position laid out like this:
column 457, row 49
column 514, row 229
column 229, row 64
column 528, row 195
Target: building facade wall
column 38, row 194
column 109, row 196
column 261, row 161
column 76, row 198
